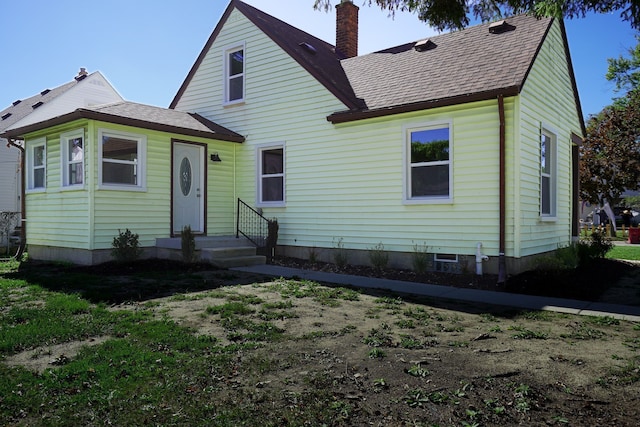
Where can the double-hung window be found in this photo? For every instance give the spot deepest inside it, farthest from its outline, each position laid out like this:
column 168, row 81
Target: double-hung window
column 428, row 163
column 121, row 160
column 271, row 177
column 548, row 142
column 36, row 164
column 72, row 149
column 234, row 75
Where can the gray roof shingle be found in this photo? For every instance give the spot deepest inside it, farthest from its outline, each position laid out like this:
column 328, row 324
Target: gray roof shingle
column 463, row 62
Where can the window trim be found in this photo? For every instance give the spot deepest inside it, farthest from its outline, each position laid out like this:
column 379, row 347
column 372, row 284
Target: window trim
column 65, row 138
column 552, row 158
column 406, row 162
column 142, row 163
column 259, row 150
column 227, row 77
column 31, row 146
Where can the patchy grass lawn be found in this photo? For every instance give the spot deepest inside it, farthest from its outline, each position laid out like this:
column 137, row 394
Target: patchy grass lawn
column 190, row 347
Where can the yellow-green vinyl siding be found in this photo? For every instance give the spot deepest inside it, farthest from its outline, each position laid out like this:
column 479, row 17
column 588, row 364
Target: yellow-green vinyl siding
column 547, row 100
column 90, row 217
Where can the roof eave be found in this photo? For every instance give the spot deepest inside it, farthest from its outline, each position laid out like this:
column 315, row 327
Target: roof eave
column 82, row 113
column 354, row 115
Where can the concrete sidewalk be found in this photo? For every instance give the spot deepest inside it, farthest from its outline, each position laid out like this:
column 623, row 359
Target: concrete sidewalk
column 529, row 302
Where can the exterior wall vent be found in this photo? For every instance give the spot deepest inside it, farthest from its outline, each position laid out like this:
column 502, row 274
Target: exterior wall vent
column 423, row 45
column 44, row 92
column 308, row 47
column 37, row 104
column 16, row 102
column 499, row 27
column 6, row 116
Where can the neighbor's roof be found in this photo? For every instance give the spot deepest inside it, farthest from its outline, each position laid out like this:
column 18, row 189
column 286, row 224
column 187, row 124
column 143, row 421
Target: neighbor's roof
column 461, row 66
column 21, row 108
column 139, row 115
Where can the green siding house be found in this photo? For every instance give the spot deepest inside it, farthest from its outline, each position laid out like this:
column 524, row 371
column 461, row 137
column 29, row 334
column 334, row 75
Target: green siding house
column 463, row 145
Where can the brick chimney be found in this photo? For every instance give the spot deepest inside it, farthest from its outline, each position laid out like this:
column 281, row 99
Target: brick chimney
column 347, row 28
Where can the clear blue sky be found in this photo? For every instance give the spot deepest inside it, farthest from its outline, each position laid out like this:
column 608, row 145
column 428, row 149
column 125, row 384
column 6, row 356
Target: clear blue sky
column 145, row 48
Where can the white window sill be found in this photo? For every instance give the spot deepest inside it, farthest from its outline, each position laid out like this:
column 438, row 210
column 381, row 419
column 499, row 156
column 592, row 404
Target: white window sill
column 233, row 103
column 122, row 188
column 72, row 187
column 548, row 219
column 271, row 205
column 429, row 201
column 35, row 190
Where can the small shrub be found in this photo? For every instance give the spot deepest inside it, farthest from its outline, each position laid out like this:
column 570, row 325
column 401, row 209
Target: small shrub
column 340, row 254
column 378, row 256
column 420, row 258
column 188, row 242
column 596, row 246
column 126, row 246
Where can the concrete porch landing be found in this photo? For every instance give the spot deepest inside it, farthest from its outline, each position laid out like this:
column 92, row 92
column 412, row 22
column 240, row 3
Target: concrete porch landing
column 220, row 251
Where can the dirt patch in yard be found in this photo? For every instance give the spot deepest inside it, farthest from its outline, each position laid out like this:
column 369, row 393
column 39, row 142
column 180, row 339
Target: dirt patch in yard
column 343, row 357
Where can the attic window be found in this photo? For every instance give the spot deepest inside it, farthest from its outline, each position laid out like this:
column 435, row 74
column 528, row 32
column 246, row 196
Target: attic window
column 499, row 27
column 16, row 102
column 37, row 104
column 6, row 116
column 308, row 47
column 423, row 45
column 44, row 92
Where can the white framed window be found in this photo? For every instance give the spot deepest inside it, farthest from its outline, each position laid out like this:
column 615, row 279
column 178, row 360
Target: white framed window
column 445, row 257
column 37, row 164
column 271, row 175
column 548, row 150
column 121, row 160
column 428, row 163
column 72, row 154
column 234, row 72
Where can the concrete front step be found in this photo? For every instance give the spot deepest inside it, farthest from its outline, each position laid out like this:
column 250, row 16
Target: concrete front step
column 241, row 256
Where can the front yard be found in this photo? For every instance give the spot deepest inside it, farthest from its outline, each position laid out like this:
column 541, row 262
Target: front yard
column 198, row 347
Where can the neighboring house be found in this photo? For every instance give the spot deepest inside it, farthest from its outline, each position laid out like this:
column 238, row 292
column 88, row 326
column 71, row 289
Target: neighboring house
column 464, row 141
column 85, row 89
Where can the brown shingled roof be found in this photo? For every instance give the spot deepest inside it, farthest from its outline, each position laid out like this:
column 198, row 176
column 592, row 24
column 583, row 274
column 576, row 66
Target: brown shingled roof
column 143, row 116
column 464, row 66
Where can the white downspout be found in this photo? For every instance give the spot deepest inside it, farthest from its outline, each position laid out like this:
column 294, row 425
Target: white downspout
column 479, row 259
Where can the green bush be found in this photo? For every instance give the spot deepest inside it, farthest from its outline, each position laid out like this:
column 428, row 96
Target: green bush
column 126, row 246
column 378, row 256
column 420, row 258
column 340, row 254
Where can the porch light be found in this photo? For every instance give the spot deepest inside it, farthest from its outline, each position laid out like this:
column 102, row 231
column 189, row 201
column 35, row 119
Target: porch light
column 215, row 158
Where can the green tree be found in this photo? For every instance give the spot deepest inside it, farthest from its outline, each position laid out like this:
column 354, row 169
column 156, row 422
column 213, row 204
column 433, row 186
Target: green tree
column 610, row 155
column 625, row 72
column 454, row 14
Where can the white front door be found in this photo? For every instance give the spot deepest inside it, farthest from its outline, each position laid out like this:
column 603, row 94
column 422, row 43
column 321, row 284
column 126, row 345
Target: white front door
column 188, row 187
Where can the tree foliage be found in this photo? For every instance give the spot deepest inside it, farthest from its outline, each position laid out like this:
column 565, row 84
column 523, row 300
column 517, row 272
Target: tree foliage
column 610, row 156
column 625, row 72
column 454, row 14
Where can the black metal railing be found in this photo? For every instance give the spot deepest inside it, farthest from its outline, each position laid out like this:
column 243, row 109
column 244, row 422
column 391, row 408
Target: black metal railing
column 252, row 225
